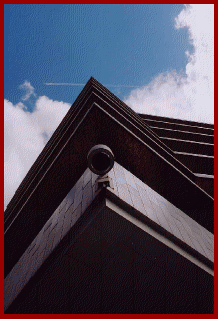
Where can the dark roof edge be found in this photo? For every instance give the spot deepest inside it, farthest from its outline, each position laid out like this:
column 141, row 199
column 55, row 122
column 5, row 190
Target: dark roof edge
column 177, row 121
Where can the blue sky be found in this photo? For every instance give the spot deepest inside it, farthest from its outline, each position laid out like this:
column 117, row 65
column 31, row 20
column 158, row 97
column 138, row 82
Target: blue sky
column 116, row 44
column 157, row 58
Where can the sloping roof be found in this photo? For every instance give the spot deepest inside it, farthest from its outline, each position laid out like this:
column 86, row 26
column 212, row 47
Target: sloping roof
column 98, row 117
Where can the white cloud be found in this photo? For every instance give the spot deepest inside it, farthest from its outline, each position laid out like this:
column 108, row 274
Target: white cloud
column 25, row 135
column 188, row 95
column 29, row 89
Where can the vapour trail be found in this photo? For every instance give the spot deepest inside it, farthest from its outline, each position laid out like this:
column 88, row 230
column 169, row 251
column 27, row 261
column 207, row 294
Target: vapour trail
column 80, row 84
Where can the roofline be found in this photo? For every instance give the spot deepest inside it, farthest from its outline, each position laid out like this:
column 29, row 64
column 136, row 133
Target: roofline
column 177, row 121
column 92, row 86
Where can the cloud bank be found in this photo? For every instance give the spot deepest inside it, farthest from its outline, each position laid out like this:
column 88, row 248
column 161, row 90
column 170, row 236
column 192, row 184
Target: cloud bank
column 25, row 135
column 189, row 94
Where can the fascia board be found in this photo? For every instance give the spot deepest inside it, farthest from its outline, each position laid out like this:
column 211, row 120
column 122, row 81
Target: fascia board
column 183, row 250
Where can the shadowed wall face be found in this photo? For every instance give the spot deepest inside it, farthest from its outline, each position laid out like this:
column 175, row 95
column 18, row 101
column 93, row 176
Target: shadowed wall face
column 114, row 267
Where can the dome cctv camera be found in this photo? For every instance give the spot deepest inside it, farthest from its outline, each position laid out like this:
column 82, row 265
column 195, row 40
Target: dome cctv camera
column 100, row 159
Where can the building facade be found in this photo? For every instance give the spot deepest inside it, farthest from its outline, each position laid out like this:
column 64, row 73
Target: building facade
column 138, row 239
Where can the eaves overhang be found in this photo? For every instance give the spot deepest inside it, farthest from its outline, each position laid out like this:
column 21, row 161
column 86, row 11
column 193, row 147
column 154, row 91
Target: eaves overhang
column 98, row 117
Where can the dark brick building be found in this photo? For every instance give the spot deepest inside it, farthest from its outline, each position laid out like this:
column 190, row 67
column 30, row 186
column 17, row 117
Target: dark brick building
column 137, row 240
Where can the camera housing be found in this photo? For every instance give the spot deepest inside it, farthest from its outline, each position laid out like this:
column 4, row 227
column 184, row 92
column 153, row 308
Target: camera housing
column 100, row 159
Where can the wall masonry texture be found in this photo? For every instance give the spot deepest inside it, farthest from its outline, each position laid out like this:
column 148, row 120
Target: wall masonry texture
column 64, row 217
column 129, row 189
column 139, row 195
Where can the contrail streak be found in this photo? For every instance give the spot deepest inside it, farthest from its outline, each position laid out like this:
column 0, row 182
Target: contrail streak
column 76, row 84
column 81, row 84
